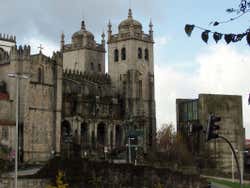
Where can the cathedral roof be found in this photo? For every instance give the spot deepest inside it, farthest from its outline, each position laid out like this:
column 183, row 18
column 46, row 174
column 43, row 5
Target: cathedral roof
column 82, row 33
column 129, row 22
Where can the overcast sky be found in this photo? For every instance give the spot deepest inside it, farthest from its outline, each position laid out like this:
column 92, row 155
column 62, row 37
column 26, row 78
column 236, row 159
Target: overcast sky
column 184, row 67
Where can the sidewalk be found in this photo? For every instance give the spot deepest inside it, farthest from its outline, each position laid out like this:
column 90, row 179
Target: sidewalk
column 22, row 172
column 227, row 179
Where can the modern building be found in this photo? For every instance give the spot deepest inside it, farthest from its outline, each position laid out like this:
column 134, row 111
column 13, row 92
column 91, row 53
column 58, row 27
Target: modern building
column 192, row 115
column 247, row 156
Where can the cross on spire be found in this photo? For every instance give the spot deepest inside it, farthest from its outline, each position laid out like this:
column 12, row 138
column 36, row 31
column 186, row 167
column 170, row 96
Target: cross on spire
column 40, row 48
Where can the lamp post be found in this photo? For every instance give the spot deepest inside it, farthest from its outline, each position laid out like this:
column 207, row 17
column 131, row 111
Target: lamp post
column 129, row 148
column 17, row 76
column 232, row 167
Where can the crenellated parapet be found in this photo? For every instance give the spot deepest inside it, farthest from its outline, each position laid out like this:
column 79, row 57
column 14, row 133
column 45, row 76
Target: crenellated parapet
column 21, row 52
column 4, row 57
column 7, row 38
column 86, row 76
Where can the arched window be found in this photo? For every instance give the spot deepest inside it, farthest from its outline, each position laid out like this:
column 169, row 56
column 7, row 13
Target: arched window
column 146, row 54
column 116, row 55
column 92, row 66
column 123, row 53
column 40, row 75
column 99, row 67
column 139, row 53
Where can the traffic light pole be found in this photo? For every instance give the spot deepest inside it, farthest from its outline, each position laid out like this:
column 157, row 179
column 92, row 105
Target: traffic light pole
column 235, row 157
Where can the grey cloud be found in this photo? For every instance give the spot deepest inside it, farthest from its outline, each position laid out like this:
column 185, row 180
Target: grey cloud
column 48, row 18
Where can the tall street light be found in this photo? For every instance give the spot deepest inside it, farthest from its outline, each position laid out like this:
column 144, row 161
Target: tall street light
column 17, row 76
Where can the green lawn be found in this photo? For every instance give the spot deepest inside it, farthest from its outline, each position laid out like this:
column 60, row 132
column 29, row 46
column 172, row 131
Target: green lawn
column 229, row 184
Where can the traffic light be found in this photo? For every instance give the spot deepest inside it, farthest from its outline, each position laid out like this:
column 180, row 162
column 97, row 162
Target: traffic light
column 212, row 127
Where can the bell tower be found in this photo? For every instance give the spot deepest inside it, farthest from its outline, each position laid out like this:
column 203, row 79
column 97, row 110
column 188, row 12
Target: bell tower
column 131, row 68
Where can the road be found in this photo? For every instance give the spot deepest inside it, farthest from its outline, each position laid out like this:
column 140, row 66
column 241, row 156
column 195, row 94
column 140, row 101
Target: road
column 216, row 185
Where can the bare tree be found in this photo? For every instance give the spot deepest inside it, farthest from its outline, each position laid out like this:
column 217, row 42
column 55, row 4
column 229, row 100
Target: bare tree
column 172, row 148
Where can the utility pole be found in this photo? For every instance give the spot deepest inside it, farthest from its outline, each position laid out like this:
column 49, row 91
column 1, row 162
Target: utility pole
column 17, row 76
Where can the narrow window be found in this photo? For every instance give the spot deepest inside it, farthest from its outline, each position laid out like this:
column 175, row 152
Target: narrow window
column 123, row 53
column 5, row 133
column 99, row 67
column 92, row 66
column 146, row 54
column 139, row 53
column 116, row 55
column 39, row 79
column 140, row 88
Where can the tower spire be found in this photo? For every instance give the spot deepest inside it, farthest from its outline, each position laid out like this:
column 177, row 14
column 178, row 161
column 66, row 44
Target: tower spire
column 62, row 40
column 103, row 38
column 83, row 27
column 109, row 30
column 151, row 29
column 130, row 13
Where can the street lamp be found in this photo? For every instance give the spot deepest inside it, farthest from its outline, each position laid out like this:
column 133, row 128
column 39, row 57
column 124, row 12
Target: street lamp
column 17, row 76
column 129, row 148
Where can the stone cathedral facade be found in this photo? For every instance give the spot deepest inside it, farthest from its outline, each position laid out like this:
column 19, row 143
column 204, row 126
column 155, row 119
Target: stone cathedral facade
column 71, row 98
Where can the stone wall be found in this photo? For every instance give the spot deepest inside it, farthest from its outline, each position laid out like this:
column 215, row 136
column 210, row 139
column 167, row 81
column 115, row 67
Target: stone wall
column 81, row 173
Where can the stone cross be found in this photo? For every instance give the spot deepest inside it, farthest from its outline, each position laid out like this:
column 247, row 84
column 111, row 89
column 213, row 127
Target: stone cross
column 40, row 48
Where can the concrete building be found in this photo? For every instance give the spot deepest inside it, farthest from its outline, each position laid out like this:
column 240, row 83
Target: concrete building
column 70, row 97
column 247, row 157
column 191, row 113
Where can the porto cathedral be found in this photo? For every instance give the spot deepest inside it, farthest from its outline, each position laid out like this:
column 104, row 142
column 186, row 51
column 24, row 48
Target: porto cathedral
column 71, row 98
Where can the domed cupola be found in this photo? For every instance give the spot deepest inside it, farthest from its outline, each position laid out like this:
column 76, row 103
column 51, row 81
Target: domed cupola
column 126, row 25
column 83, row 36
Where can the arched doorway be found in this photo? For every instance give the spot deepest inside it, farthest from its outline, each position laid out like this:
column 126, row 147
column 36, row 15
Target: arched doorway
column 101, row 134
column 84, row 134
column 118, row 135
column 66, row 131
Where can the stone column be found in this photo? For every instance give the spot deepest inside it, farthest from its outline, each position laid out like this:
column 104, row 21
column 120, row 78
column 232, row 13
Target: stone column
column 108, row 128
column 78, row 132
column 113, row 128
column 95, row 130
column 89, row 131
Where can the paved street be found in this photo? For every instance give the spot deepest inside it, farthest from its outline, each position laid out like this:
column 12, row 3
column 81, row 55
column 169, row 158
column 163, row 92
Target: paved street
column 215, row 185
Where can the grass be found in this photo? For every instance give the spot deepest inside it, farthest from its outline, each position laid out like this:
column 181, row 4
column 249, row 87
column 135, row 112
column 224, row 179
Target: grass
column 229, row 184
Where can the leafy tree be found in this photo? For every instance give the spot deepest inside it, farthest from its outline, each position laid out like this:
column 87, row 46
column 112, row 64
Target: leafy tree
column 243, row 9
column 59, row 181
column 6, row 159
